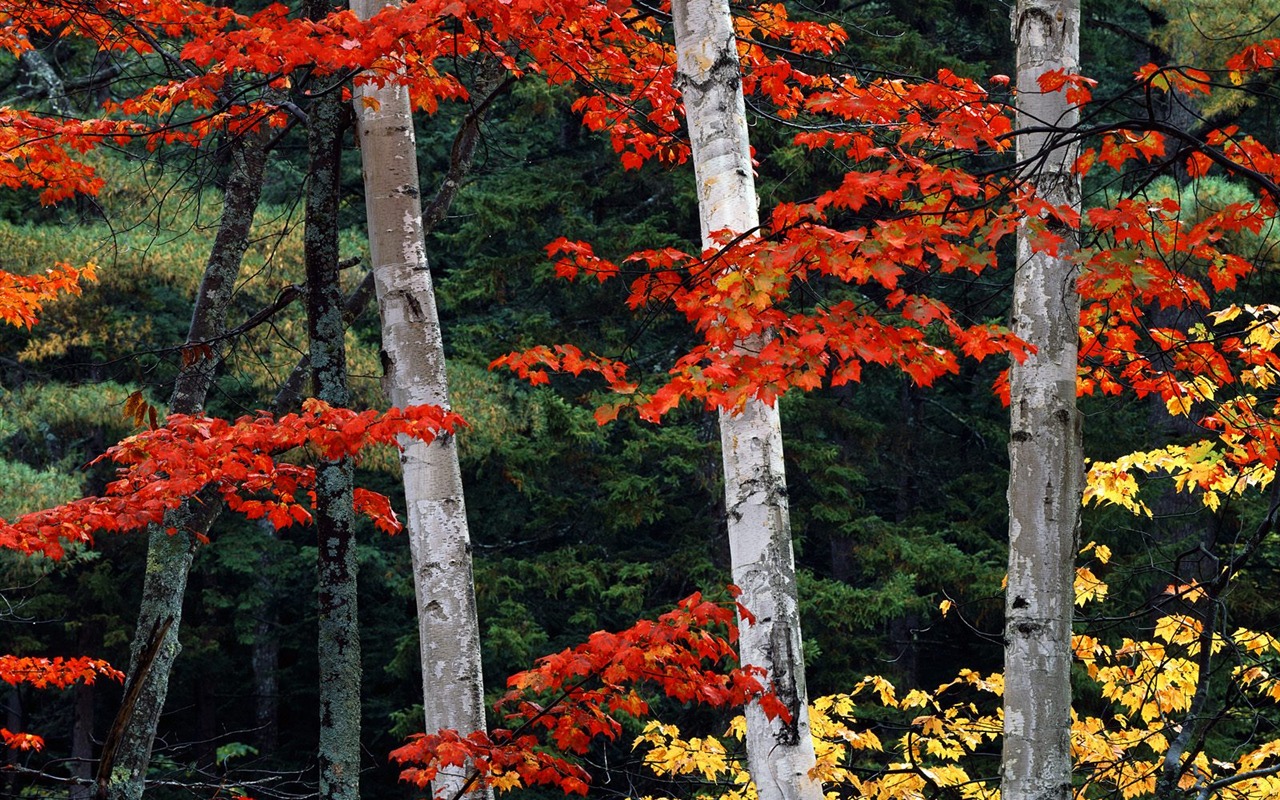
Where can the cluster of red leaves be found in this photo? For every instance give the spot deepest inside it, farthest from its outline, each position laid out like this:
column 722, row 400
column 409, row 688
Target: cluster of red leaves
column 44, row 673
column 238, row 461
column 1153, row 257
column 33, row 155
column 914, row 217
column 21, row 741
column 1154, row 262
column 58, row 673
column 1182, row 79
column 1256, row 57
column 22, row 296
column 1077, row 88
column 1152, row 281
column 1155, row 271
column 575, row 696
column 613, row 50
column 921, row 216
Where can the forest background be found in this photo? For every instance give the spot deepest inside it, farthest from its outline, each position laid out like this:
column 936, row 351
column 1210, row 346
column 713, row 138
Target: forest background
column 896, row 491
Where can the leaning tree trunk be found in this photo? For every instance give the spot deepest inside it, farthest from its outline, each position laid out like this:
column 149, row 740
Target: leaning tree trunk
column 779, row 755
column 414, row 364
column 1046, row 460
column 339, row 634
column 127, row 749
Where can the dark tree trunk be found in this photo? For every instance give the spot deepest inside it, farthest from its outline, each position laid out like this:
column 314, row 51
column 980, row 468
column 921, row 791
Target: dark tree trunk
column 12, row 721
column 339, row 636
column 206, row 750
column 127, row 751
column 266, row 652
column 89, row 640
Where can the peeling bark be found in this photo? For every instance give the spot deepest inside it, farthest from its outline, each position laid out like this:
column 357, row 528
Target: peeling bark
column 414, row 365
column 779, row 755
column 1046, row 459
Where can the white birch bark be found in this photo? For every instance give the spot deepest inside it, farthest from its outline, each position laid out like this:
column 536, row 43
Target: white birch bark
column 414, row 373
column 779, row 755
column 1046, row 460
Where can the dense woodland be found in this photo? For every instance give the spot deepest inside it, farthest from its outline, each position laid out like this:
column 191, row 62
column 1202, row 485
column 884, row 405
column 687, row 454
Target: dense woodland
column 896, row 482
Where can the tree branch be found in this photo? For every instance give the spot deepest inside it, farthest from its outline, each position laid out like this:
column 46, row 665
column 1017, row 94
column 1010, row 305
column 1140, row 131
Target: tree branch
column 1209, row 788
column 461, row 156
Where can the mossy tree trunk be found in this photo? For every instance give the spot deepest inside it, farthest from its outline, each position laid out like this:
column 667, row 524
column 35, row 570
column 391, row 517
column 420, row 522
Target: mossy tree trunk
column 339, row 633
column 127, row 750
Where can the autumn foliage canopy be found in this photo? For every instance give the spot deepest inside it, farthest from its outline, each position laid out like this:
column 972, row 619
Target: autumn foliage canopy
column 828, row 286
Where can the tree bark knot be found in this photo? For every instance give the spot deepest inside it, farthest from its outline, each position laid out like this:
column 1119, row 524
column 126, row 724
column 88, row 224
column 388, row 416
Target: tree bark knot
column 725, row 71
column 415, row 308
column 782, row 660
column 1031, row 626
column 772, row 487
column 1052, row 29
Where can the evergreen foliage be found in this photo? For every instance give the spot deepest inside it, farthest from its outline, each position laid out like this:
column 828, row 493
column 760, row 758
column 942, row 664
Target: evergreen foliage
column 897, row 494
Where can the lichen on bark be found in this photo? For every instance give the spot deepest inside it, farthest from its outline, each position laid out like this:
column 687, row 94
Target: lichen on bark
column 122, row 776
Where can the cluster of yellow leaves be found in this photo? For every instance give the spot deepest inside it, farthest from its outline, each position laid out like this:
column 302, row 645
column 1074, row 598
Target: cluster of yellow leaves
column 671, row 755
column 1262, row 334
column 1088, row 587
column 1202, row 466
column 1232, row 462
column 1153, row 683
column 1263, row 648
column 946, row 749
column 850, row 752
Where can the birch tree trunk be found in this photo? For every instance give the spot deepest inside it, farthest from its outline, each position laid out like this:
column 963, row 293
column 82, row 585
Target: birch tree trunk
column 127, row 750
column 1046, row 460
column 414, row 373
column 779, row 755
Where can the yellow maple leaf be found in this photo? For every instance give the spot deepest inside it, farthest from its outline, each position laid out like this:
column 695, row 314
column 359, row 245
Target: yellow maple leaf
column 1088, row 586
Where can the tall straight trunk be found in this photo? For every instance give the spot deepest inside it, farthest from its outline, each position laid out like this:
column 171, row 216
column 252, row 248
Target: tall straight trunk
column 265, row 656
column 82, row 741
column 127, row 750
column 1046, row 459
column 88, row 640
column 414, row 374
column 339, row 634
column 779, row 755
